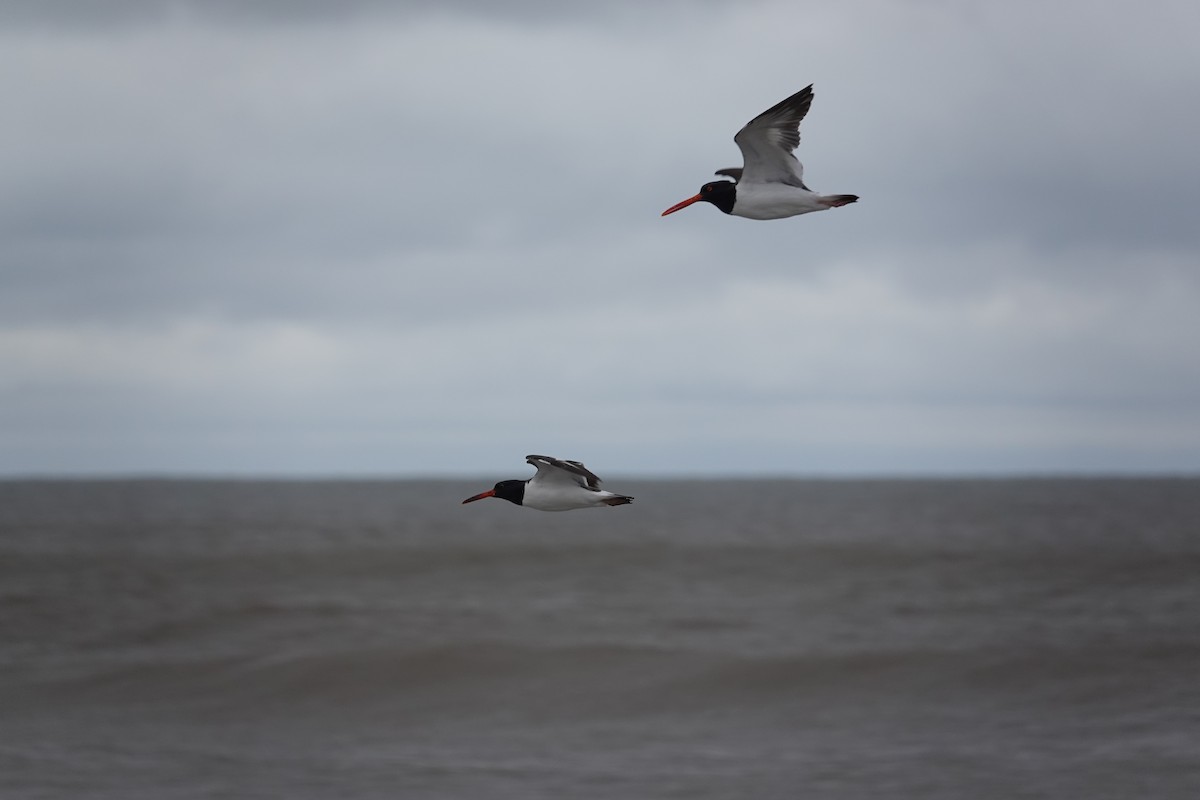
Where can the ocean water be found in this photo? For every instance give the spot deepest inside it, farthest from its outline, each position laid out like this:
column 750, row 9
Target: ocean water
column 744, row 639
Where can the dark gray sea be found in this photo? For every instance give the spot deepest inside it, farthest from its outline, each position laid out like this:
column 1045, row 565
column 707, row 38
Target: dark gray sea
column 744, row 639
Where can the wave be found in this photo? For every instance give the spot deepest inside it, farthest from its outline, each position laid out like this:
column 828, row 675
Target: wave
column 587, row 678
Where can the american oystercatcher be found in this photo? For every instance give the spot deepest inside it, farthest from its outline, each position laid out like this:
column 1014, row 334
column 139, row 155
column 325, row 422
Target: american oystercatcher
column 557, row 486
column 770, row 183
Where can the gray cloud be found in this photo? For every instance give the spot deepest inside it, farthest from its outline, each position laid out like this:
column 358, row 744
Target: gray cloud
column 281, row 238
column 80, row 15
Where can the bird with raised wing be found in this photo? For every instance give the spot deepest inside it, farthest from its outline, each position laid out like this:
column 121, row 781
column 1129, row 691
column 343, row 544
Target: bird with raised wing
column 557, row 486
column 770, row 182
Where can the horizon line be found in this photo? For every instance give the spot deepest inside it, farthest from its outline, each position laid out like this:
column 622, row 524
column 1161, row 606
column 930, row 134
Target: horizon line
column 441, row 475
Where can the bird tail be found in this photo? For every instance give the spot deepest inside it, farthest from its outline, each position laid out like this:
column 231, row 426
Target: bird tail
column 618, row 500
column 838, row 200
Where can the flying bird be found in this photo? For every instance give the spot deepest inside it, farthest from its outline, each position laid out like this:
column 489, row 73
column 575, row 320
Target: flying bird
column 557, row 486
column 770, row 183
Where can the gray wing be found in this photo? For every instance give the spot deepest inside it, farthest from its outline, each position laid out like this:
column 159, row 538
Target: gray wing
column 731, row 172
column 553, row 470
column 768, row 140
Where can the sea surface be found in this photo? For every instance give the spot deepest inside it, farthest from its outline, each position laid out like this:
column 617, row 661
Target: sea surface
column 752, row 639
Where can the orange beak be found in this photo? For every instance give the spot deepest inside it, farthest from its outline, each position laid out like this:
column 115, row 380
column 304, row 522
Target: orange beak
column 684, row 204
column 480, row 496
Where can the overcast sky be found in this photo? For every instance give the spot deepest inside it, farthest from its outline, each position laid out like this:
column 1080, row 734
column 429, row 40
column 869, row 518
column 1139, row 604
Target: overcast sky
column 375, row 239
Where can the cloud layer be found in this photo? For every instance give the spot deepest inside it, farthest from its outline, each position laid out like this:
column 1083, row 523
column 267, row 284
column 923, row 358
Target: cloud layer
column 279, row 239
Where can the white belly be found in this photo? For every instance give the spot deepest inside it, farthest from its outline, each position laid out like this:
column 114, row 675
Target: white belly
column 559, row 498
column 774, row 201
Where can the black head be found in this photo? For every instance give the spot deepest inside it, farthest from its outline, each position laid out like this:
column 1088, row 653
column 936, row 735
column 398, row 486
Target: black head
column 720, row 193
column 513, row 491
